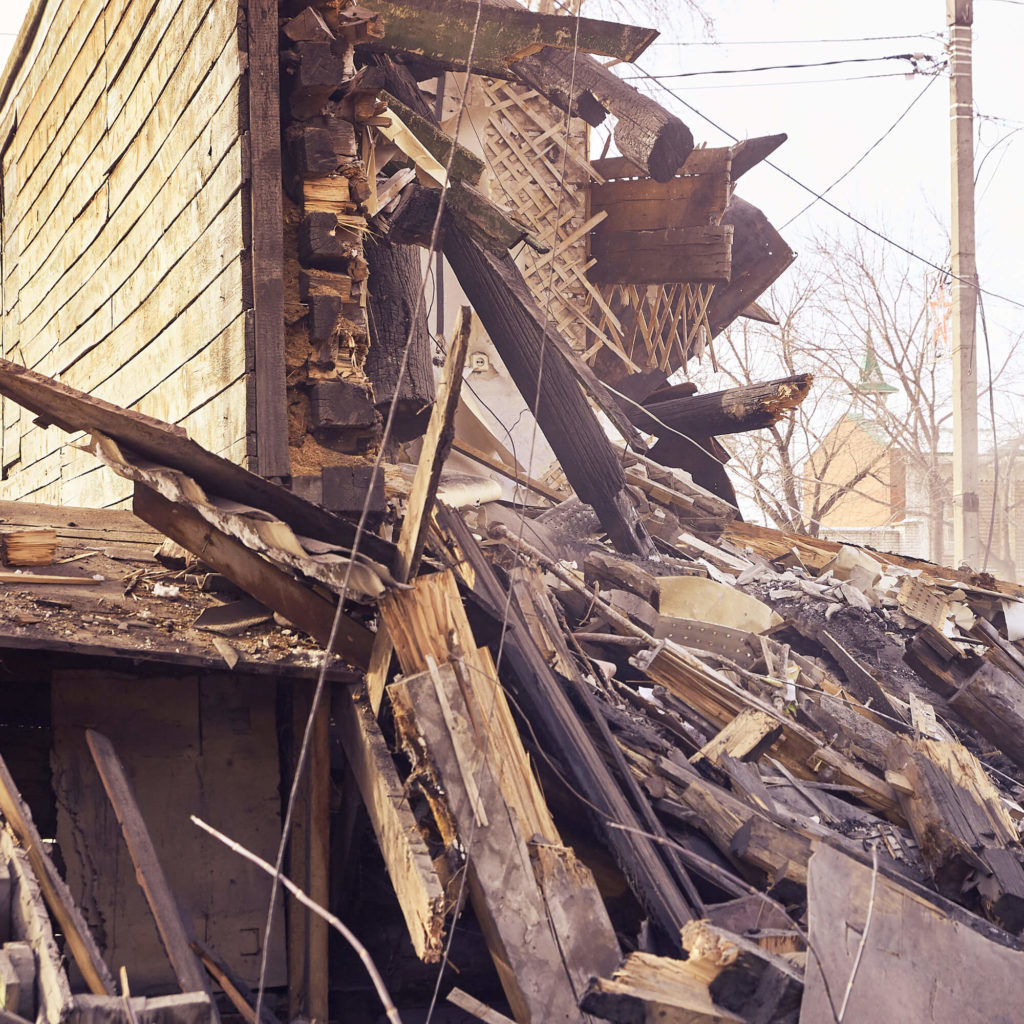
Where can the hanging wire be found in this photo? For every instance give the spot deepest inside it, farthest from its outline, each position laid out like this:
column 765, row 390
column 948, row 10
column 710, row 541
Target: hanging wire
column 328, row 655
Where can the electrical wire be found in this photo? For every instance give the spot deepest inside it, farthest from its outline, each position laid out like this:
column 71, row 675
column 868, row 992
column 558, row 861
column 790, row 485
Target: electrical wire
column 800, row 42
column 945, row 271
column 866, row 153
column 328, row 655
column 809, row 81
column 912, row 57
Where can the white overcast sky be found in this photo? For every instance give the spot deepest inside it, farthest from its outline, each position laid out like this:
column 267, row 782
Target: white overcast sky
column 833, row 115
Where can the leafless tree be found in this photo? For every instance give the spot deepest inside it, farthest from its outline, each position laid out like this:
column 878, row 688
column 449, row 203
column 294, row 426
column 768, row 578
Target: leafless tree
column 770, row 467
column 847, row 297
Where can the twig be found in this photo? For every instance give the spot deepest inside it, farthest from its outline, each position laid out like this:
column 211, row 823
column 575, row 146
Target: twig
column 378, row 982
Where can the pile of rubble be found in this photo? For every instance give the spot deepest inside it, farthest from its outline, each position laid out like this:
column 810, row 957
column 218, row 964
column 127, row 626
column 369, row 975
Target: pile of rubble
column 755, row 777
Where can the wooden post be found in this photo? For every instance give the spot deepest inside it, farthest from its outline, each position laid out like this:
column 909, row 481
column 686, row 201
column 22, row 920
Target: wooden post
column 271, row 424
column 436, row 446
column 308, row 864
column 959, row 16
column 319, row 839
column 173, row 928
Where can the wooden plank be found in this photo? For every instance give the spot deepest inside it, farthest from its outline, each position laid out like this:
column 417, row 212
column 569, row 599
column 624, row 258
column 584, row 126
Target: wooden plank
column 663, row 256
column 64, row 406
column 964, row 832
column 440, row 31
column 174, row 931
column 58, row 898
column 509, row 472
column 271, row 426
column 406, row 857
column 255, row 575
column 502, row 886
column 428, row 622
column 419, row 506
column 436, row 446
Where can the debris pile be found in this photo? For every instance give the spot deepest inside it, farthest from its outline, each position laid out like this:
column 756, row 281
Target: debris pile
column 666, row 785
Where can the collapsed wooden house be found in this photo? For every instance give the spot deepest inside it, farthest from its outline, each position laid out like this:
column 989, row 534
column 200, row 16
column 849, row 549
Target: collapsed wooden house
column 604, row 750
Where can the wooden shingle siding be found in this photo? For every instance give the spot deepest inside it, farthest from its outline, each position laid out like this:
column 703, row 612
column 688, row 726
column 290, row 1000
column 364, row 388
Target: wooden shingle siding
column 126, row 225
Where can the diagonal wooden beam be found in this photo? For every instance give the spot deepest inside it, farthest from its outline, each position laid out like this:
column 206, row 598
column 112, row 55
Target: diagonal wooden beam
column 251, row 572
column 440, row 31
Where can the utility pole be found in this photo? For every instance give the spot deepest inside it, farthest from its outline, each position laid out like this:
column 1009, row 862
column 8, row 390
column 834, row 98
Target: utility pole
column 966, row 547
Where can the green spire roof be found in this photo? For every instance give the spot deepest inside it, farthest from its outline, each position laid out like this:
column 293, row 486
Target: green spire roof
column 871, row 380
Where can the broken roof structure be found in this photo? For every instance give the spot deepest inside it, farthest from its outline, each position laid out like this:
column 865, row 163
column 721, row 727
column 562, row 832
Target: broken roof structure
column 602, row 751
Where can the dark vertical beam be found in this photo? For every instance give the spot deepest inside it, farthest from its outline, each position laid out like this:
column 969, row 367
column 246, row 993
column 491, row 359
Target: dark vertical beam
column 267, row 241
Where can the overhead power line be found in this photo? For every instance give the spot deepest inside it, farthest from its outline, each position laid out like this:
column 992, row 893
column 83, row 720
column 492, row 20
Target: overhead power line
column 945, row 271
column 913, row 58
column 812, row 81
column 866, row 153
column 799, row 42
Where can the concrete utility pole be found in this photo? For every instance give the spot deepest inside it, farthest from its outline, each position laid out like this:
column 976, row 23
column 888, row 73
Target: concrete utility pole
column 966, row 547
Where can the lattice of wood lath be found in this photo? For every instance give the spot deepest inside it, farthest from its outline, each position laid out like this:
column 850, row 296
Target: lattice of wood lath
column 620, row 328
column 654, row 326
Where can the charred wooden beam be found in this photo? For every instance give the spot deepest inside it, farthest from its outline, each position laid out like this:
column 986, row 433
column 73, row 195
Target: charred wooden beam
column 649, row 135
column 759, row 256
column 733, row 411
column 398, row 321
column 440, row 32
column 535, row 358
